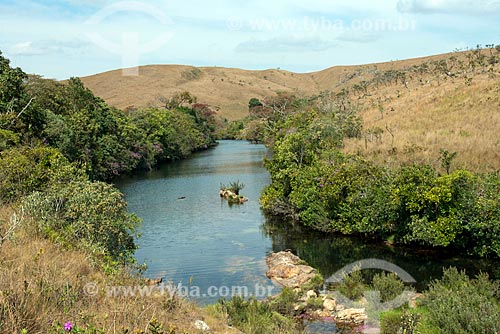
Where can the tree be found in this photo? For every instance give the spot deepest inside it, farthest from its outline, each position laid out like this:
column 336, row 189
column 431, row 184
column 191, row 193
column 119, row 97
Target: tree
column 178, row 100
column 12, row 93
column 254, row 102
column 446, row 159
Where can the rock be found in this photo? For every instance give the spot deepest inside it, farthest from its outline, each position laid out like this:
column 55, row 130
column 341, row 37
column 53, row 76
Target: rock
column 156, row 281
column 321, row 314
column 351, row 316
column 201, row 325
column 413, row 303
column 329, row 305
column 286, row 269
column 311, row 294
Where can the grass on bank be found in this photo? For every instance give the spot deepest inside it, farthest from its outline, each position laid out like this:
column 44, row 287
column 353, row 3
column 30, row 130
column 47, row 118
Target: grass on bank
column 42, row 287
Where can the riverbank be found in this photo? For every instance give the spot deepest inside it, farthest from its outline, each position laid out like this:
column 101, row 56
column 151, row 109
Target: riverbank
column 44, row 286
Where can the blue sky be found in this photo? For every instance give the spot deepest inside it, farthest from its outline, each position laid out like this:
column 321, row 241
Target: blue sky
column 64, row 38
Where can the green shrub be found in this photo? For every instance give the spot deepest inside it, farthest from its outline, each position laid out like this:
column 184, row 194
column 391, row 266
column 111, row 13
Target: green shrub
column 24, row 170
column 8, row 139
column 236, row 186
column 460, row 305
column 352, row 285
column 255, row 317
column 400, row 322
column 285, row 302
column 92, row 215
column 389, row 285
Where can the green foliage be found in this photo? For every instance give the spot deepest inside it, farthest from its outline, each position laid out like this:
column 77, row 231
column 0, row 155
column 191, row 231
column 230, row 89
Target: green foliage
column 352, row 285
column 236, row 186
column 254, row 102
column 458, row 304
column 92, row 215
column 255, row 131
column 172, row 133
column 312, row 181
column 285, row 302
column 11, row 87
column 316, row 283
column 8, row 139
column 231, row 130
column 446, row 159
column 434, row 208
column 180, row 99
column 24, row 170
column 389, row 285
column 400, row 322
column 255, row 317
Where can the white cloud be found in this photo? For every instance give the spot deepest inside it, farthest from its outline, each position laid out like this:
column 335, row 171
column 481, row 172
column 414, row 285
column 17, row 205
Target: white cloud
column 467, row 7
column 37, row 48
column 285, row 44
column 24, row 49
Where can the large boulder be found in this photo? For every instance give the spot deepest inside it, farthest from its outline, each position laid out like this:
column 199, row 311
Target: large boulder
column 288, row 270
column 351, row 316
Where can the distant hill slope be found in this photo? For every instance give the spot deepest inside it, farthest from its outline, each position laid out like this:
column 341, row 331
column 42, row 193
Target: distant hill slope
column 228, row 88
column 411, row 109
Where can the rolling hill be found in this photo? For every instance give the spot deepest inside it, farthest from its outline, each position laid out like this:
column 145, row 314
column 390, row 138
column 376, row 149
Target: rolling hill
column 411, row 109
column 229, row 89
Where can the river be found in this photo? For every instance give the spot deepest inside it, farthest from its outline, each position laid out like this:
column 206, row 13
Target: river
column 193, row 237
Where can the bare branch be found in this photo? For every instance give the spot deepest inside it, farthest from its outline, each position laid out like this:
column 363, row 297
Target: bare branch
column 20, row 113
column 14, row 222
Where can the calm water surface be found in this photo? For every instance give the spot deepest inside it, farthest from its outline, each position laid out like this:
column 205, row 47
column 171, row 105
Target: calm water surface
column 201, row 238
column 204, row 240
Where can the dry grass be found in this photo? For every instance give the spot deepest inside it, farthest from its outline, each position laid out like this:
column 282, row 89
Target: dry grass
column 424, row 120
column 41, row 283
column 228, row 88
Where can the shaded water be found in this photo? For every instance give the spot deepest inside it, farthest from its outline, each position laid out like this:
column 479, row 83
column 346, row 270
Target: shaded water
column 204, row 241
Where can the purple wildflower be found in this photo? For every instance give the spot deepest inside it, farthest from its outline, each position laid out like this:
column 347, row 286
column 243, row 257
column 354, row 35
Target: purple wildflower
column 68, row 326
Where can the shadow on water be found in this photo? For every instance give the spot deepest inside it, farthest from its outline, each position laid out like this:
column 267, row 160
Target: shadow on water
column 330, row 253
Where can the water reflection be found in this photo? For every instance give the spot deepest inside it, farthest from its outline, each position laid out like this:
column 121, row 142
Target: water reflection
column 330, row 253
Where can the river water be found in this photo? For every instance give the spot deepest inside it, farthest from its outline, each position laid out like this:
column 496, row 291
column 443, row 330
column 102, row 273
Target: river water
column 193, row 237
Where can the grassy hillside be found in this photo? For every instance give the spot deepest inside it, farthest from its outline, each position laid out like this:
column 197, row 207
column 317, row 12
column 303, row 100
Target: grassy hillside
column 410, row 118
column 228, row 88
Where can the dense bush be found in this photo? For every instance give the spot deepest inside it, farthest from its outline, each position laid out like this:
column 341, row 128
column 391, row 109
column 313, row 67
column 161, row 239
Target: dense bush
column 401, row 322
column 323, row 188
column 102, row 140
column 92, row 215
column 55, row 137
column 389, row 285
column 459, row 305
column 255, row 317
column 352, row 285
column 24, row 170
